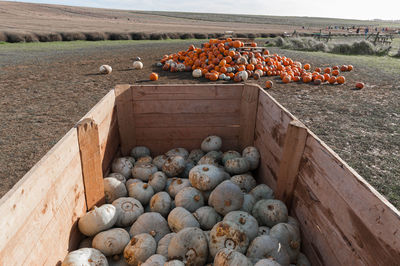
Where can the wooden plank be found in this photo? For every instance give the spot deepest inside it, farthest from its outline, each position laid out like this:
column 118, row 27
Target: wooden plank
column 109, row 147
column 329, row 243
column 295, row 141
column 66, row 229
column 248, row 114
column 370, row 224
column 126, row 122
column 158, row 147
column 187, row 92
column 183, row 133
column 186, row 106
column 89, row 148
column 102, row 109
column 190, row 120
column 21, row 201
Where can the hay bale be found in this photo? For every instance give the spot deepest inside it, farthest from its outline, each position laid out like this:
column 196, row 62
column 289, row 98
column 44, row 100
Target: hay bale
column 155, row 36
column 139, row 36
column 95, row 36
column 363, row 47
column 3, row 37
column 184, row 36
column 72, row 36
column 118, row 36
column 341, row 48
column 15, row 37
column 200, row 36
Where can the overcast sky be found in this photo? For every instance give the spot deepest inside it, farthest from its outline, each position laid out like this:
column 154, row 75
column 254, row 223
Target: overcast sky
column 351, row 9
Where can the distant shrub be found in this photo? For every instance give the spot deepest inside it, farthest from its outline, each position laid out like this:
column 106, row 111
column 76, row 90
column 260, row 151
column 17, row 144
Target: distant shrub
column 15, row 37
column 49, row 37
column 30, row 37
column 173, row 35
column 241, row 35
column 359, row 48
column 95, row 36
column 155, row 36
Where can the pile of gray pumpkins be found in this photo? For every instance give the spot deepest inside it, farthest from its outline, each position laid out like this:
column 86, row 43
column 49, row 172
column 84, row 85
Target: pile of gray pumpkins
column 201, row 207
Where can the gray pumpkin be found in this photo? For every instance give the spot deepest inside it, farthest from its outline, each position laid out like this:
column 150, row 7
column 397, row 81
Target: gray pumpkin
column 141, row 191
column 189, row 198
column 227, row 256
column 216, row 155
column 117, row 260
column 302, row 260
column 246, row 222
column 113, row 189
column 162, row 247
column 190, row 246
column 226, row 197
column 262, row 191
column 111, row 242
column 83, row 256
column 195, row 155
column 131, row 159
column 267, row 262
column 180, row 218
column 159, row 161
column 174, row 166
column 189, row 164
column 207, row 217
column 131, row 181
column 161, row 203
column 143, row 171
column 211, row 143
column 174, row 263
column 128, row 210
column 158, row 181
column 230, row 155
column 139, row 249
column 122, row 166
column 263, row 230
column 140, row 151
column 268, row 247
column 288, row 236
column 151, row 223
column 252, row 155
column 237, row 166
column 205, row 177
column 207, row 160
column 248, row 203
column 245, row 181
column 270, row 212
column 229, row 235
column 178, row 152
column 144, row 160
column 118, row 176
column 155, row 260
column 177, row 185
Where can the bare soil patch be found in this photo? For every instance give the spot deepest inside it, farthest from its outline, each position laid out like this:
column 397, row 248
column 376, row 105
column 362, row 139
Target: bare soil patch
column 45, row 90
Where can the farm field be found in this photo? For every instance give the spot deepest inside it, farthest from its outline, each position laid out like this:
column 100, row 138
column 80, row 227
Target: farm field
column 47, row 87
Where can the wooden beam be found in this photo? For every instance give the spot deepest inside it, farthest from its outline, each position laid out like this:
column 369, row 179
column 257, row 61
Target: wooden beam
column 295, row 140
column 126, row 123
column 89, row 149
column 248, row 115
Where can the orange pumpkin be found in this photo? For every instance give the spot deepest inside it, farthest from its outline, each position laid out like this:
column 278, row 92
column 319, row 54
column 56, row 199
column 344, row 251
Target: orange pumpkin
column 349, row 68
column 335, row 72
column 328, row 70
column 269, row 84
column 360, row 85
column 153, row 76
column 341, row 79
column 307, row 78
column 318, row 70
column 286, row 79
column 213, row 76
column 307, row 66
column 317, row 81
column 332, row 80
column 343, row 68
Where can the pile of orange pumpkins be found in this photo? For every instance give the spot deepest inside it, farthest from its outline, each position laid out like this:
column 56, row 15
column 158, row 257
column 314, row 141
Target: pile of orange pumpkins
column 222, row 60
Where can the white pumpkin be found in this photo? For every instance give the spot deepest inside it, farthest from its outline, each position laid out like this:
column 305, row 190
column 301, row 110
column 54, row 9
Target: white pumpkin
column 244, row 75
column 85, row 256
column 105, row 69
column 98, row 219
column 181, row 67
column 137, row 65
column 197, row 73
column 260, row 72
column 111, row 242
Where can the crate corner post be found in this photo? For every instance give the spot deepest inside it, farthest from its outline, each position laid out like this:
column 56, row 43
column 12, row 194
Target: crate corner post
column 89, row 149
column 248, row 115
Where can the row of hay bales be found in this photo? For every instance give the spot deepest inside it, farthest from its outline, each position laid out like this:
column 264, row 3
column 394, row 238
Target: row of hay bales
column 13, row 37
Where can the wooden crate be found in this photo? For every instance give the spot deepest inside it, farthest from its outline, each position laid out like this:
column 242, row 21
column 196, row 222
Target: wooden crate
column 344, row 221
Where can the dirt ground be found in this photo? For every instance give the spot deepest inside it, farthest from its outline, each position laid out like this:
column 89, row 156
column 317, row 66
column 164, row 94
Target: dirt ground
column 45, row 90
